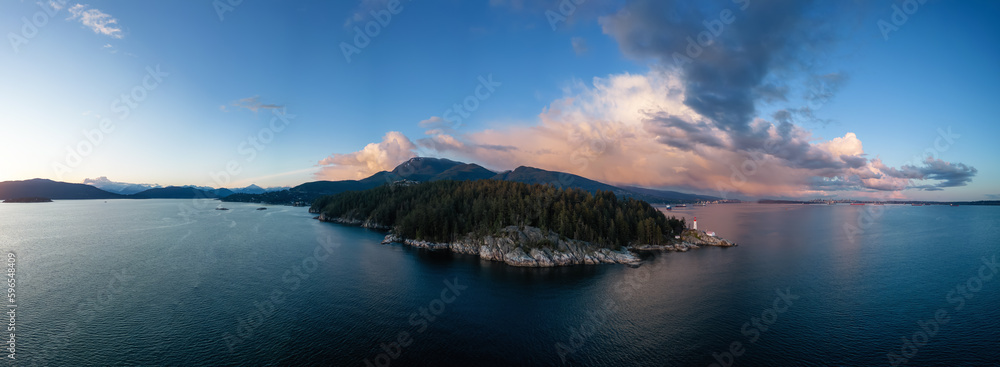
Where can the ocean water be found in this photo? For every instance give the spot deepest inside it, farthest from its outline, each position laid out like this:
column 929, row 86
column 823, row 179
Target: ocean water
column 174, row 282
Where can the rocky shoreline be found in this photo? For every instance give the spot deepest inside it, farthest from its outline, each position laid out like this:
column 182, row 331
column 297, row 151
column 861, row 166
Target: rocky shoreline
column 352, row 222
column 690, row 239
column 542, row 249
column 547, row 250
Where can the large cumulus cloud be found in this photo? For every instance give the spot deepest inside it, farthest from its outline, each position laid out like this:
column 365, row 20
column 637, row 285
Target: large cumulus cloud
column 394, row 149
column 693, row 121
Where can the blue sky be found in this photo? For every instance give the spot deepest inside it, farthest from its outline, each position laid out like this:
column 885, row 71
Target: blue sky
column 224, row 75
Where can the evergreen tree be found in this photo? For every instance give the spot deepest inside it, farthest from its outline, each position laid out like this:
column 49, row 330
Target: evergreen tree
column 447, row 210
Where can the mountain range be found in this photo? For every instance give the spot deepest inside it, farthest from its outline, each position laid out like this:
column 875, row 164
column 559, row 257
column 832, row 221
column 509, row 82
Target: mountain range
column 421, row 169
column 126, row 188
column 418, row 169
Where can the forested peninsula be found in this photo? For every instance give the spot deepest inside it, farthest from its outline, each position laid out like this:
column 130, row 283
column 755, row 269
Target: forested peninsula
column 512, row 222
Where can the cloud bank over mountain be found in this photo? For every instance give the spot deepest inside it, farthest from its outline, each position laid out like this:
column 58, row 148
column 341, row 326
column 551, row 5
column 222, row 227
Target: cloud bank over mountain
column 694, row 120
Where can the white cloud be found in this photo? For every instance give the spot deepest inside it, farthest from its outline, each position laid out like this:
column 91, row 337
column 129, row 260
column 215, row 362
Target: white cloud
column 636, row 129
column 363, row 11
column 394, row 149
column 96, row 20
column 579, row 45
column 253, row 104
column 433, row 122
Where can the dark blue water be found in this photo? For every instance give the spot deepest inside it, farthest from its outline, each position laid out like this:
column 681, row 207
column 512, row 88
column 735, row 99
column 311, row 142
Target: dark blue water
column 165, row 282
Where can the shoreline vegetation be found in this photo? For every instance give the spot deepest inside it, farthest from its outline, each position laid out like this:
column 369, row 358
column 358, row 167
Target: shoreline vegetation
column 515, row 223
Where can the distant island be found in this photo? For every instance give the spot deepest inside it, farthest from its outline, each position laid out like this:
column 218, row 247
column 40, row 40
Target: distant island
column 33, row 199
column 519, row 224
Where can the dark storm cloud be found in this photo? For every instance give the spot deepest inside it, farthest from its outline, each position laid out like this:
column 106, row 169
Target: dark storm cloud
column 771, row 92
column 948, row 174
column 727, row 68
column 680, row 133
column 724, row 66
column 822, row 88
column 854, row 161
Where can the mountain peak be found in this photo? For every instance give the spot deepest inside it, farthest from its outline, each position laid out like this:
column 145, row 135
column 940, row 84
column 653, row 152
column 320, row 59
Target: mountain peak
column 425, row 160
column 423, row 168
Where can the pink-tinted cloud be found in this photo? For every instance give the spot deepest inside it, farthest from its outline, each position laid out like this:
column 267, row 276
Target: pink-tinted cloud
column 394, row 149
column 693, row 122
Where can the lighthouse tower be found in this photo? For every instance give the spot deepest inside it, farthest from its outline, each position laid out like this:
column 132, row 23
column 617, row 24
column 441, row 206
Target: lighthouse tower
column 696, row 223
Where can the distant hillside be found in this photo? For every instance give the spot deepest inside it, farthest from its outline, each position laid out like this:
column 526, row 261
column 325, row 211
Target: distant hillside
column 181, row 192
column 465, row 172
column 336, row 187
column 423, row 169
column 531, row 175
column 670, row 195
column 123, row 188
column 52, row 189
column 252, row 189
column 29, row 200
column 415, row 169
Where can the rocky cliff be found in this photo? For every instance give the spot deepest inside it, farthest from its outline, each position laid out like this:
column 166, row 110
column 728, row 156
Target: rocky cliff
column 352, row 222
column 690, row 239
column 532, row 247
column 529, row 247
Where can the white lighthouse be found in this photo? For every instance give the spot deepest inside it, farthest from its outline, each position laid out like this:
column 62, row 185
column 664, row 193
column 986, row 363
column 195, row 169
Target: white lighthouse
column 695, row 223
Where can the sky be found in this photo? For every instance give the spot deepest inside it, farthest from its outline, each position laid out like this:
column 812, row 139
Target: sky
column 736, row 99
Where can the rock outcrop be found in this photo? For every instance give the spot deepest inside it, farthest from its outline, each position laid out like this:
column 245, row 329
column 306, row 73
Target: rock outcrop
column 527, row 247
column 690, row 239
column 531, row 247
column 353, row 222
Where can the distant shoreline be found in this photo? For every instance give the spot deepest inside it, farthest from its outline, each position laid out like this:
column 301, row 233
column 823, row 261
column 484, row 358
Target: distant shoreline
column 33, row 199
